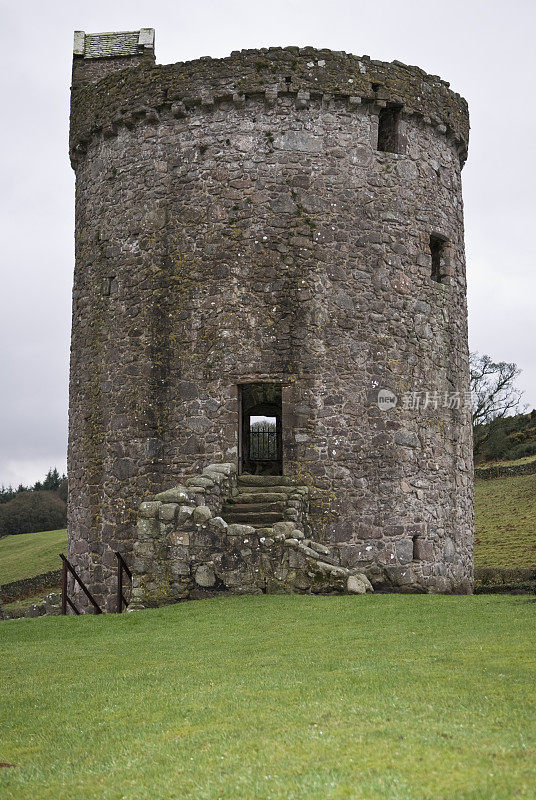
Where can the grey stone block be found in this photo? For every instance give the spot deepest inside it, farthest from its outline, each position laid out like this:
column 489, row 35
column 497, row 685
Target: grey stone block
column 201, row 515
column 226, row 469
column 149, row 509
column 236, row 529
column 204, row 576
column 167, row 512
column 176, row 495
column 404, row 550
column 449, row 551
column 286, row 528
column 200, row 481
column 218, row 524
column 184, row 513
column 354, row 585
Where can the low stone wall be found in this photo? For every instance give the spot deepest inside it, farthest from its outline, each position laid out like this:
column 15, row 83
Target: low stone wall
column 185, row 550
column 505, row 470
column 29, row 586
column 495, row 580
column 49, row 606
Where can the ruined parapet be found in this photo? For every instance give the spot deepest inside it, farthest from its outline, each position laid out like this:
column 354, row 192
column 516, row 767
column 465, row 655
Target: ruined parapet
column 287, row 219
column 305, row 74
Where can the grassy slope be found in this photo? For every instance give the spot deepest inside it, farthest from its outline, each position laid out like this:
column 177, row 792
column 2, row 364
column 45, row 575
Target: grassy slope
column 503, row 463
column 505, row 522
column 310, row 698
column 29, row 554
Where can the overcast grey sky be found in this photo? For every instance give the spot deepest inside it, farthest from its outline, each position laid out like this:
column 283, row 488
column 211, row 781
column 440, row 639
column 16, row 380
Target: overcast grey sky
column 485, row 50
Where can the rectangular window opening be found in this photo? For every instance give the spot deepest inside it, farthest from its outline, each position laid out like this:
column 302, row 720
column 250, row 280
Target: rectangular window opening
column 260, row 433
column 437, row 249
column 388, row 138
column 108, row 286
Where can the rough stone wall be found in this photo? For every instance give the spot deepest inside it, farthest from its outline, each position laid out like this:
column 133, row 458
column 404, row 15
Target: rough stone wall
column 505, row 470
column 236, row 226
column 86, row 72
column 302, row 73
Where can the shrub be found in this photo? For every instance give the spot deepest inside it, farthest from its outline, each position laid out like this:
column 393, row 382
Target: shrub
column 523, row 450
column 506, row 438
column 33, row 511
column 53, row 483
column 497, row 445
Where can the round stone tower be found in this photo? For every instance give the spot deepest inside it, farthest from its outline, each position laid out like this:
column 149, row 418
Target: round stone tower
column 276, row 235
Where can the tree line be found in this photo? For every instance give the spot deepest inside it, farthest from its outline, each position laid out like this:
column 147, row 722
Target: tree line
column 41, row 507
column 52, row 483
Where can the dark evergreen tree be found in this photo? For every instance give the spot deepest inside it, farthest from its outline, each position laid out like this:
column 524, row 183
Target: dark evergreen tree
column 32, row 511
column 52, row 480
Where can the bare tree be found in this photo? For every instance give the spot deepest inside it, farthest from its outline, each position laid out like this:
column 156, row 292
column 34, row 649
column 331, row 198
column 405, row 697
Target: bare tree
column 492, row 386
column 493, row 393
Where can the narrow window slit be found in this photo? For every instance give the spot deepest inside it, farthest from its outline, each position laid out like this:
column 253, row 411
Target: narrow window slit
column 416, row 556
column 388, row 135
column 437, row 249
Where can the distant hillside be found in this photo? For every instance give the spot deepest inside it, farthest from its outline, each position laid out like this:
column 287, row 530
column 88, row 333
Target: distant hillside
column 506, row 439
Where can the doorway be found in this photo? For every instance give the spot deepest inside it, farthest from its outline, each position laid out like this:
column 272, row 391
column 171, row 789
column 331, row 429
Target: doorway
column 260, row 433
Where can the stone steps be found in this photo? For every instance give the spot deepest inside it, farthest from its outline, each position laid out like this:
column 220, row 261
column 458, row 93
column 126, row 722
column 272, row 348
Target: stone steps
column 258, row 497
column 261, row 500
column 266, row 480
column 266, row 489
column 257, row 520
column 253, row 508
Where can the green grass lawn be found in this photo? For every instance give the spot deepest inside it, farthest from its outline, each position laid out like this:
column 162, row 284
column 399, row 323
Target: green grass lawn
column 391, row 697
column 505, row 522
column 27, row 554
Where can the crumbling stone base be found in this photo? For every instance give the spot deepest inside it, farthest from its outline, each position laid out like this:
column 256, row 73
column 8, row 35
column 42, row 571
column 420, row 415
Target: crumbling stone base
column 185, row 549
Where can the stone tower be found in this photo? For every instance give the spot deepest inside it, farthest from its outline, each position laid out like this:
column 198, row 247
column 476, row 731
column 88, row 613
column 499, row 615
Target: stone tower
column 276, row 236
